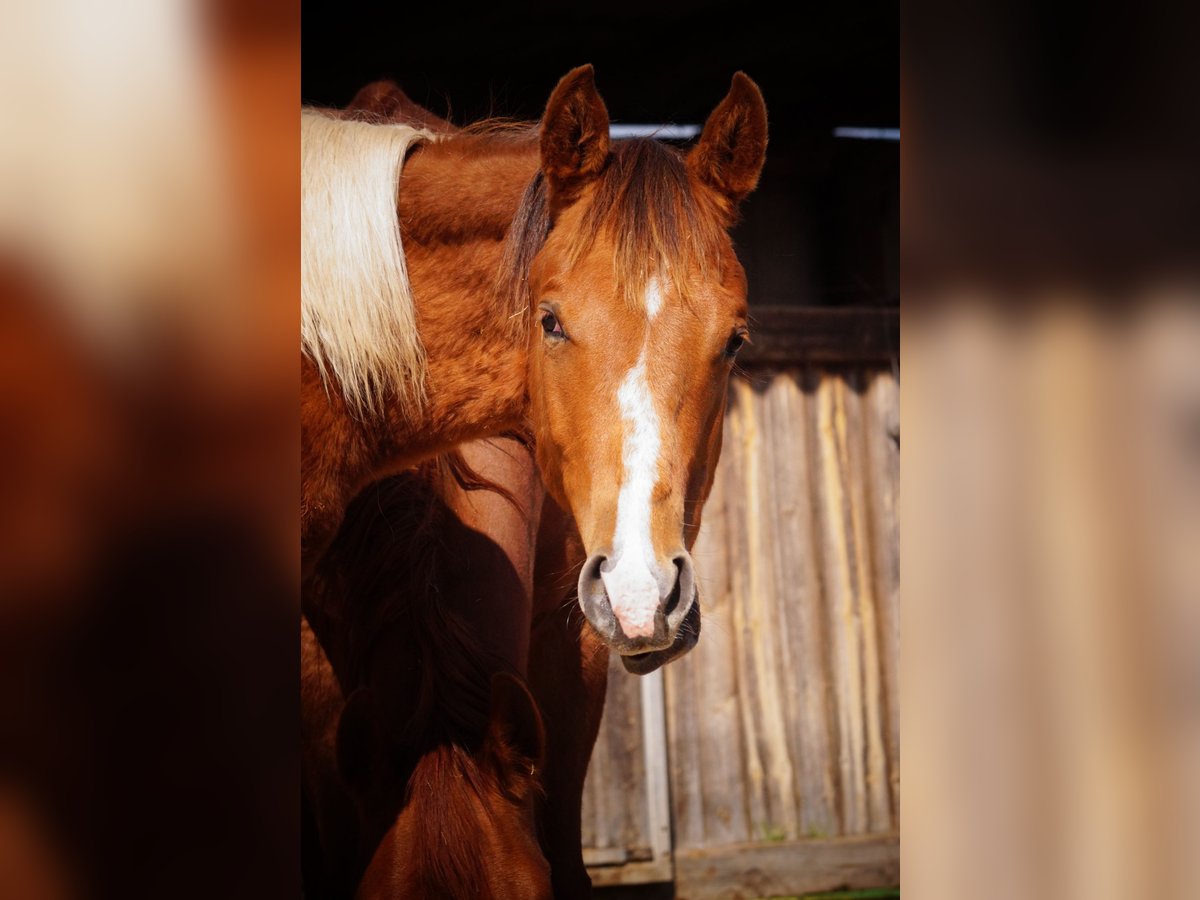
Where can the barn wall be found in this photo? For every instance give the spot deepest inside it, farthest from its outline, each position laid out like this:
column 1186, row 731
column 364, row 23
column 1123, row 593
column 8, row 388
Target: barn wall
column 783, row 721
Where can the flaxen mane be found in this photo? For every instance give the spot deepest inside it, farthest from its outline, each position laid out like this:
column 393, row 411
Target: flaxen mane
column 357, row 320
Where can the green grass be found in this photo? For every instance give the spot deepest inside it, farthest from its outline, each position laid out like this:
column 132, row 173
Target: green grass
column 774, row 835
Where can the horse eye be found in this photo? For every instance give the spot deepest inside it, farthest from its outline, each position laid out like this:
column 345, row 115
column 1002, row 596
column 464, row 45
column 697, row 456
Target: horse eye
column 551, row 326
column 734, row 344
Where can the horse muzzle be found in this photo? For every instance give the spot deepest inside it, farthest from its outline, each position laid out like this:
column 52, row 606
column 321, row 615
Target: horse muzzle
column 685, row 640
column 648, row 618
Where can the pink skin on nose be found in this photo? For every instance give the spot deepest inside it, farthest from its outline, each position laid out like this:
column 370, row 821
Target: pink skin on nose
column 633, row 595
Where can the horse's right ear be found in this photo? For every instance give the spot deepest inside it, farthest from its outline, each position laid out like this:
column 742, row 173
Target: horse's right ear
column 574, row 137
column 359, row 738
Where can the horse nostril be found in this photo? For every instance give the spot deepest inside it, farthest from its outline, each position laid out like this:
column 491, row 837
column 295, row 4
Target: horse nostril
column 676, row 591
column 591, row 585
column 591, row 569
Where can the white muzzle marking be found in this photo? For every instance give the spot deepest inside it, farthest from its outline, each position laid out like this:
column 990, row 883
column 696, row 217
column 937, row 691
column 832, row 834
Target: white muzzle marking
column 630, row 574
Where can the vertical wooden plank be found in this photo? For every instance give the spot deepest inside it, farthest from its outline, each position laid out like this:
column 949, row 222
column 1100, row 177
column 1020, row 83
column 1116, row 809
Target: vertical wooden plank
column 879, row 813
column 727, row 789
column 780, row 694
column 772, row 683
column 841, row 605
column 743, row 583
column 826, row 629
column 654, row 748
column 763, row 713
column 882, row 474
column 803, row 663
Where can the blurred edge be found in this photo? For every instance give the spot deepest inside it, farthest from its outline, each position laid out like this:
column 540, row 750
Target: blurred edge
column 1051, row 471
column 148, row 542
column 148, row 271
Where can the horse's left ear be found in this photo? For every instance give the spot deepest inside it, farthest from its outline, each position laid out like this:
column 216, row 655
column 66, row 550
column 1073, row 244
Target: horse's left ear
column 733, row 146
column 574, row 139
column 515, row 721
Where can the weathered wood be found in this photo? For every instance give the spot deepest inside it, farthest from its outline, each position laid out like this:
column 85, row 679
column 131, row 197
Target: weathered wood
column 805, row 669
column 761, row 653
column 783, row 869
column 878, row 793
column 632, row 873
column 605, row 856
column 836, row 564
column 881, row 480
column 654, row 750
column 742, row 446
column 793, row 335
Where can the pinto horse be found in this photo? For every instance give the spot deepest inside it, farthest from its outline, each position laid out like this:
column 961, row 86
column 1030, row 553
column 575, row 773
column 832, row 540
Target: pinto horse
column 549, row 279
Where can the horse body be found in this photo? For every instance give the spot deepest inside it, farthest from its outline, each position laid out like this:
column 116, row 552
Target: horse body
column 589, row 292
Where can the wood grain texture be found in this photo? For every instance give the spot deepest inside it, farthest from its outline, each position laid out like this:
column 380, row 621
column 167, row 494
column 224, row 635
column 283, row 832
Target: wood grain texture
column 882, row 432
column 748, row 871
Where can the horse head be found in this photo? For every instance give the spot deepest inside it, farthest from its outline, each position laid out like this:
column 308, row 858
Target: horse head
column 638, row 310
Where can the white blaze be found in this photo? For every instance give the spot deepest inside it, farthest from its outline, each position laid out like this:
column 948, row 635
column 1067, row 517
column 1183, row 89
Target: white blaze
column 654, row 298
column 629, row 574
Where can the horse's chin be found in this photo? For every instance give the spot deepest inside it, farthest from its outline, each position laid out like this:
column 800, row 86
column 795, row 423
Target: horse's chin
column 685, row 640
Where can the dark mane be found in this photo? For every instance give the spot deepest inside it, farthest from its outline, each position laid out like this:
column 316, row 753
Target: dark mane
column 645, row 202
column 389, row 557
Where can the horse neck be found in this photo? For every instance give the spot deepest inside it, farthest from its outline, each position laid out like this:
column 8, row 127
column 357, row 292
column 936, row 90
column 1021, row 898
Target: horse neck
column 457, row 201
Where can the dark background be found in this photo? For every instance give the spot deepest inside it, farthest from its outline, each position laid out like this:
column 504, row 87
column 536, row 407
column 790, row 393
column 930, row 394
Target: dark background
column 822, row 229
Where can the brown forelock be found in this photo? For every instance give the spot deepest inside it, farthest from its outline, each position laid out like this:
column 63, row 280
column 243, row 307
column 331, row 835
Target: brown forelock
column 645, row 201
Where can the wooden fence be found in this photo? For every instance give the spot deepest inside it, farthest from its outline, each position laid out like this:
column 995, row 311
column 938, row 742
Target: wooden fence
column 766, row 761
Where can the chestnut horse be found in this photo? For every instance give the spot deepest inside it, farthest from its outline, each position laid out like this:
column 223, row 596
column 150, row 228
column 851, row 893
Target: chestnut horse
column 552, row 280
column 426, row 783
